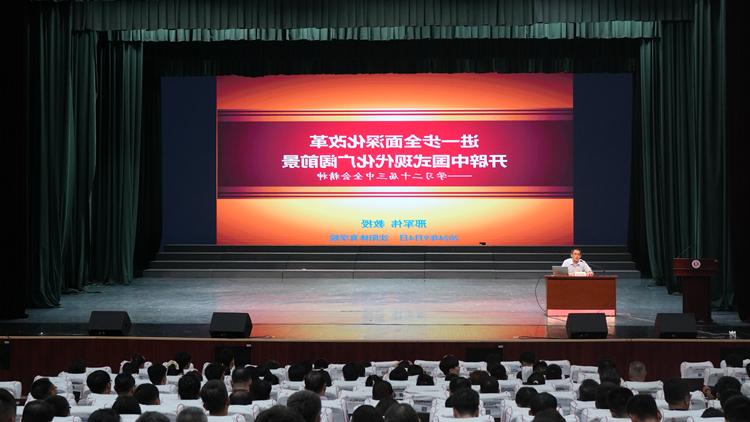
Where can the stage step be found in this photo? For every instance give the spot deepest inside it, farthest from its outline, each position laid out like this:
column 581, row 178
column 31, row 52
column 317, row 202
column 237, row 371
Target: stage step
column 220, row 261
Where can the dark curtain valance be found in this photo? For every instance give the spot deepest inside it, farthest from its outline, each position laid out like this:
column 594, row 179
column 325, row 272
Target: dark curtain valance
column 287, row 14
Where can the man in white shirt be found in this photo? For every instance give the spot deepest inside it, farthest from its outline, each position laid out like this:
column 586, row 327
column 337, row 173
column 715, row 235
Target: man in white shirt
column 576, row 264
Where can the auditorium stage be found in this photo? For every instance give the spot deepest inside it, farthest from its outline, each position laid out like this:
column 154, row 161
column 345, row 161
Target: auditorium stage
column 303, row 309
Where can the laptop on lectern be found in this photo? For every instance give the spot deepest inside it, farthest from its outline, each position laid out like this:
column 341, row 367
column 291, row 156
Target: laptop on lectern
column 560, row 270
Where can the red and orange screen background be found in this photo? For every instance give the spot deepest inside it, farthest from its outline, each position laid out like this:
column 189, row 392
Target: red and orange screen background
column 395, row 159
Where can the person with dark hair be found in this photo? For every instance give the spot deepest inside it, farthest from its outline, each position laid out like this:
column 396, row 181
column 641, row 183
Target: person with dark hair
column 476, row 377
column 465, row 403
column 78, row 366
column 261, row 390
column 306, row 403
column 724, row 384
column 124, row 385
column 241, row 397
column 271, row 379
column 128, row 368
column 602, row 395
column 414, row 370
column 610, row 375
column 279, row 413
column 152, row 417
column 553, row 372
column 642, row 408
column 157, row 374
column 527, row 359
column 540, row 367
column 104, row 415
column 457, row 384
column 321, row 363
column 726, row 395
column 215, row 398
column 99, row 382
column 575, row 264
column 737, row 409
column 605, row 363
column 138, row 361
column 489, row 385
column 385, row 404
column 712, row 412
column 398, row 374
column 535, row 379
column 192, row 414
column 425, row 379
column 449, row 365
column 7, row 406
column 189, row 386
column 401, row 413
column 405, row 363
column 183, row 361
column 524, row 396
column 366, row 413
column 382, row 390
column 315, row 381
column 225, row 358
column 214, row 371
column 498, row 371
column 549, row 415
column 372, row 380
column 60, row 405
column 147, row 394
column 173, row 369
column 43, row 388
column 677, row 394
column 242, row 378
column 352, row 371
column 587, row 390
column 296, row 372
column 617, row 401
column 126, row 405
column 733, row 360
column 38, row 411
column 637, row 371
column 541, row 402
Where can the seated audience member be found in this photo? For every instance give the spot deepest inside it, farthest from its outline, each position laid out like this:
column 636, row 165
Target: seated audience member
column 726, row 395
column 296, row 372
column 476, row 377
column 677, row 394
column 539, row 367
column 157, row 374
column 321, row 364
column 7, row 406
column 733, row 360
column 261, row 390
column 737, row 409
column 241, row 398
column 147, row 394
column 214, row 371
column 189, row 386
column 424, row 379
column 307, row 404
column 271, row 379
column 498, row 371
column 414, row 370
column 279, row 413
column 382, row 390
column 192, row 414
column 617, row 401
column 173, row 369
column 712, row 412
column 642, row 408
column 60, row 405
column 465, row 403
column 401, row 413
column 489, row 386
column 226, row 360
column 449, row 365
column 553, row 372
column 352, row 371
column 611, row 376
column 587, row 390
column 128, row 368
column 604, row 364
column 549, row 415
column 315, row 381
column 124, row 385
column 126, row 405
column 43, row 388
column 77, row 367
column 385, row 404
column 457, row 384
column 366, row 413
column 137, row 362
column 524, row 396
column 99, row 382
column 527, row 360
column 372, row 380
column 542, row 402
column 215, row 398
column 104, row 415
column 38, row 411
column 725, row 384
column 535, row 379
column 398, row 374
column 152, row 417
column 241, row 379
column 183, row 360
column 602, row 395
column 637, row 371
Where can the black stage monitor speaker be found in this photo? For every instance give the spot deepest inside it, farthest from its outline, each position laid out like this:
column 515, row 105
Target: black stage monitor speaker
column 586, row 326
column 675, row 326
column 109, row 323
column 231, row 325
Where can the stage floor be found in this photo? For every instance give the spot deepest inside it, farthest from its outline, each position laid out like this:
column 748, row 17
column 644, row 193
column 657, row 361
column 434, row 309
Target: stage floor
column 349, row 310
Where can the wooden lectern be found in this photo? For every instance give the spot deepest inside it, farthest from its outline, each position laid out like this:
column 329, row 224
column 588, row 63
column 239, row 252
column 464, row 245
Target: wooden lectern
column 594, row 294
column 694, row 276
